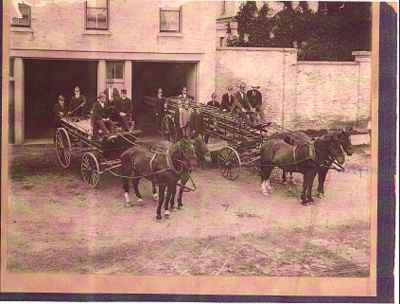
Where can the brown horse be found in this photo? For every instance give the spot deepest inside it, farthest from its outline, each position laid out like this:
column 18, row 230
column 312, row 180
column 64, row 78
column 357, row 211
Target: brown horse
column 306, row 158
column 162, row 169
column 296, row 138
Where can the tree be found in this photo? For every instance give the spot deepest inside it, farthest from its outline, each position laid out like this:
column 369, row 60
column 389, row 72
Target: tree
column 261, row 36
column 246, row 19
column 337, row 29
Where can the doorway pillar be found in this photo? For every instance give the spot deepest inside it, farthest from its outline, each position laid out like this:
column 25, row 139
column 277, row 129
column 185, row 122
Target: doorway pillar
column 19, row 101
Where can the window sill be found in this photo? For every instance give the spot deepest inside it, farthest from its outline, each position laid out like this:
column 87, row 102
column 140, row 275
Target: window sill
column 170, row 34
column 97, row 32
column 21, row 29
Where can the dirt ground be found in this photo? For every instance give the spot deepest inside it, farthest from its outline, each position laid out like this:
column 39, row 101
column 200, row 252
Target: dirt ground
column 58, row 224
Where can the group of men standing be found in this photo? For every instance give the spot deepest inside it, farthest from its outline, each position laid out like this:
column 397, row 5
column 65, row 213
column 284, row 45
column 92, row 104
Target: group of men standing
column 103, row 113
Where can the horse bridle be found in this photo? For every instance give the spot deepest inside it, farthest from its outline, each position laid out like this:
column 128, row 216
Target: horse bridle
column 332, row 160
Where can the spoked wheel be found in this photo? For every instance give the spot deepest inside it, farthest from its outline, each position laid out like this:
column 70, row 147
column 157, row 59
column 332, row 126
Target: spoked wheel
column 63, row 148
column 90, row 169
column 229, row 163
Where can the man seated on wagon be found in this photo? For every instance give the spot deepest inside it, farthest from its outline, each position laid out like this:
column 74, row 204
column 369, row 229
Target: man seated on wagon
column 100, row 118
column 214, row 102
column 124, row 110
column 78, row 105
column 227, row 100
column 59, row 111
column 241, row 104
column 255, row 100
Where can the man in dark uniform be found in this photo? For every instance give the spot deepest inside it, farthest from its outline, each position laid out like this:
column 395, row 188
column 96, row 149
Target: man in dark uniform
column 124, row 110
column 78, row 104
column 227, row 100
column 100, row 119
column 241, row 105
column 59, row 111
column 160, row 108
column 255, row 100
column 214, row 102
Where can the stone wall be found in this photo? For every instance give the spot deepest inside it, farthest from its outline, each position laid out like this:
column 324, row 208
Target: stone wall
column 300, row 94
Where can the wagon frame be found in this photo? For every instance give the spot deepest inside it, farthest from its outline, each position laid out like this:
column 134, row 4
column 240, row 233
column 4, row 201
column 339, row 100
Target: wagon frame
column 241, row 142
column 74, row 136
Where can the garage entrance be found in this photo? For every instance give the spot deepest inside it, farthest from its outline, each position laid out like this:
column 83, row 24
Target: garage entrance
column 170, row 76
column 44, row 80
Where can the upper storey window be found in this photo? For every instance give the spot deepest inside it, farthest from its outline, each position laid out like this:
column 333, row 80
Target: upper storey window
column 97, row 14
column 170, row 20
column 24, row 16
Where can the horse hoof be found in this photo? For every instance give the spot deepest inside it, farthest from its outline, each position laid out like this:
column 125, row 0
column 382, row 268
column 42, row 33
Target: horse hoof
column 139, row 200
column 128, row 204
column 305, row 203
column 155, row 196
column 180, row 207
column 158, row 217
column 166, row 213
column 265, row 193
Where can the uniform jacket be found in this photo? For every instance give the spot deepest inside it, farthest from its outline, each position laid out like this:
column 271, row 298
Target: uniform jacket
column 99, row 112
column 227, row 102
column 123, row 105
column 255, row 98
column 240, row 101
column 76, row 101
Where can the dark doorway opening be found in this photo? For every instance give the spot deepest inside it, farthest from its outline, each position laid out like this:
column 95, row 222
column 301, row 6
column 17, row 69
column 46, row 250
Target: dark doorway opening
column 44, row 80
column 148, row 76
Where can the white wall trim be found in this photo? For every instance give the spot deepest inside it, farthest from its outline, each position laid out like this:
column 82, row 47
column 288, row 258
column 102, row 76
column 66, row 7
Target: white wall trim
column 108, row 55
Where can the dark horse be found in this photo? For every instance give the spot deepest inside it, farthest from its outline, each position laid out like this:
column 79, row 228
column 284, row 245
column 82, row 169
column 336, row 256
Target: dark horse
column 309, row 158
column 162, row 169
column 343, row 136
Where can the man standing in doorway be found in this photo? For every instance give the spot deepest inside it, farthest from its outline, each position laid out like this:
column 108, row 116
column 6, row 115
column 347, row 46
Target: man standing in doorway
column 184, row 97
column 160, row 107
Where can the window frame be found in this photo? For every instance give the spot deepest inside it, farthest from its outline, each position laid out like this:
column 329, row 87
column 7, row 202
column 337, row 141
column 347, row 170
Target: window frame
column 169, row 9
column 110, row 64
column 29, row 18
column 108, row 17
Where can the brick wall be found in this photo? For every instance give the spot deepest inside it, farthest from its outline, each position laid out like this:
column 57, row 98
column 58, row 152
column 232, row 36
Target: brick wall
column 300, row 94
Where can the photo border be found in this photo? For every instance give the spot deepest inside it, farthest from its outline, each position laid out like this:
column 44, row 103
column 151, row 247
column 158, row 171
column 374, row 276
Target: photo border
column 386, row 197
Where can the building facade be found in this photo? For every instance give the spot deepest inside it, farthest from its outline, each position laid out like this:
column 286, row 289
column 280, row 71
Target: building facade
column 57, row 45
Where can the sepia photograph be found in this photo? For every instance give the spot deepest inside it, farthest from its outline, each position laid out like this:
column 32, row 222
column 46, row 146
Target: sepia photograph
column 190, row 147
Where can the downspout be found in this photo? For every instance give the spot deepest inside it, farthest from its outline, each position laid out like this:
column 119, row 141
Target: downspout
column 283, row 89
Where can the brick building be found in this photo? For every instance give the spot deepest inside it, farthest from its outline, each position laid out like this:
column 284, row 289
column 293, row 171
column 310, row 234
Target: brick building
column 55, row 45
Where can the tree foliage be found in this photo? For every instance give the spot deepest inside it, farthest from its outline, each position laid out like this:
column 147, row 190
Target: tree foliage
column 331, row 33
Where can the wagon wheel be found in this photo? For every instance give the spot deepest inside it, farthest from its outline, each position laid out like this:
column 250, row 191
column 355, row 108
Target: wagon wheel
column 90, row 169
column 229, row 163
column 63, row 148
